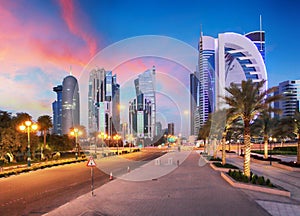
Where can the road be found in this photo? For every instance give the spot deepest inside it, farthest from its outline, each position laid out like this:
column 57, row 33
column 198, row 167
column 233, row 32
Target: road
column 39, row 192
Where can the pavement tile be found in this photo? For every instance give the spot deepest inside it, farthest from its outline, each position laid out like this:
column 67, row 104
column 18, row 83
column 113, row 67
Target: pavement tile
column 189, row 189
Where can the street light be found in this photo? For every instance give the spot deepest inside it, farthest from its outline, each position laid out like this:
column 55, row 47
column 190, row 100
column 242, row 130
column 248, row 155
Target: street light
column 29, row 126
column 102, row 136
column 117, row 137
column 76, row 132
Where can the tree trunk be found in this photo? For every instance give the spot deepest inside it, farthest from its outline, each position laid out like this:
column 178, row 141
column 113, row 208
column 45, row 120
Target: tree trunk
column 215, row 148
column 247, row 152
column 44, row 146
column 266, row 146
column 298, row 149
column 223, row 148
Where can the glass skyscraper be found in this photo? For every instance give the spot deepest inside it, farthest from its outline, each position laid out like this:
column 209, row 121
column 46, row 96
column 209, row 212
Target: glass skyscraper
column 57, row 111
column 103, row 102
column 290, row 90
column 145, row 84
column 70, row 104
column 66, row 109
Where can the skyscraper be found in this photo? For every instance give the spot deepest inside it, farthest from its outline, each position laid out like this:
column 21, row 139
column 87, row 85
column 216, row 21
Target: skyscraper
column 171, row 129
column 140, row 115
column 57, row 111
column 70, row 104
column 229, row 58
column 104, row 102
column 290, row 91
column 146, row 84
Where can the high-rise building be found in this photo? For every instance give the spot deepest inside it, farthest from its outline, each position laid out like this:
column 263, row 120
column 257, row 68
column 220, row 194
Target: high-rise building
column 229, row 58
column 103, row 102
column 70, row 104
column 171, row 129
column 146, row 84
column 158, row 128
column 57, row 111
column 140, row 115
column 66, row 110
column 290, row 91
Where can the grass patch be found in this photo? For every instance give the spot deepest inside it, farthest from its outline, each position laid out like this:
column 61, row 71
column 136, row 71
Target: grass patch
column 215, row 159
column 291, row 164
column 39, row 166
column 275, row 152
column 229, row 166
column 264, row 159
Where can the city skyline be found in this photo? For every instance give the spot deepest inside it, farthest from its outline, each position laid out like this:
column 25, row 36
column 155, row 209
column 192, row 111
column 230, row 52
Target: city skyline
column 39, row 43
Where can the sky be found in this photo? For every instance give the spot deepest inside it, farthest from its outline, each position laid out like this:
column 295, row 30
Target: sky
column 41, row 40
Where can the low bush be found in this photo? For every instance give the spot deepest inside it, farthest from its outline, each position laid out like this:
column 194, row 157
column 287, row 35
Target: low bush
column 286, row 148
column 230, row 166
column 254, row 179
column 215, row 159
column 264, row 159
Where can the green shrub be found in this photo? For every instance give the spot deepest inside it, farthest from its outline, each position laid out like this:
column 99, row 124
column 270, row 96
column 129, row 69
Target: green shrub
column 261, row 180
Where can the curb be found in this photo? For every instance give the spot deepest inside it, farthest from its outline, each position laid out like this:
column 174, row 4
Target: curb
column 282, row 166
column 236, row 184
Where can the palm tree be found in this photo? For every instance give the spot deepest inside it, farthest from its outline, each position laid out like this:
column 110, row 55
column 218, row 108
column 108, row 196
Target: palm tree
column 246, row 101
column 265, row 125
column 45, row 123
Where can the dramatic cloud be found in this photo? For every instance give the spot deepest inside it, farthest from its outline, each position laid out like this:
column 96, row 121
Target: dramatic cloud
column 37, row 47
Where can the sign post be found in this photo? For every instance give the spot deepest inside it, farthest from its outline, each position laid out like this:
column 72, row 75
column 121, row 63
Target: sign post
column 91, row 163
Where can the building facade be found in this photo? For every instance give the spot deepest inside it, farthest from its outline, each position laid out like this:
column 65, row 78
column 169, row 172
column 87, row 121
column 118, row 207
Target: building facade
column 229, row 58
column 171, row 129
column 66, row 109
column 70, row 104
column 140, row 116
column 290, row 91
column 103, row 102
column 145, row 85
column 57, row 111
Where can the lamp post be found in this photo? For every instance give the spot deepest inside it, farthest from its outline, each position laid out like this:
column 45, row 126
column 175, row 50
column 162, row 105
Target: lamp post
column 76, row 132
column 117, row 137
column 29, row 126
column 102, row 136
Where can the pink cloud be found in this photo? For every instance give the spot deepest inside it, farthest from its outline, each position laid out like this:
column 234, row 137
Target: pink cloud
column 42, row 41
column 72, row 17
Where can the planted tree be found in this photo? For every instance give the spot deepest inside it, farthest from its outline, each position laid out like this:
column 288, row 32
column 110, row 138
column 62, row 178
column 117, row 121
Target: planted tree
column 45, row 123
column 246, row 101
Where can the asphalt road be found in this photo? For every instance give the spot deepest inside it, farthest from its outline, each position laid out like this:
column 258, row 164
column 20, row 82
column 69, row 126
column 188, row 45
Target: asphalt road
column 39, row 192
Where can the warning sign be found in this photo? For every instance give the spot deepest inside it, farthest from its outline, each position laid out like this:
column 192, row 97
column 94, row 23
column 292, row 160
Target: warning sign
column 91, row 162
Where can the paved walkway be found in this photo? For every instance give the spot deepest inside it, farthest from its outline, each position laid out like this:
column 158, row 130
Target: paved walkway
column 189, row 189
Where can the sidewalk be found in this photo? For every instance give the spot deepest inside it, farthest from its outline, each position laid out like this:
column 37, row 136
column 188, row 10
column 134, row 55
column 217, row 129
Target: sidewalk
column 189, row 189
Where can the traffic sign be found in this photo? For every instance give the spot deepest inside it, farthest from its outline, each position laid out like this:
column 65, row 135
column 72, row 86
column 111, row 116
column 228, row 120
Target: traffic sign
column 91, row 162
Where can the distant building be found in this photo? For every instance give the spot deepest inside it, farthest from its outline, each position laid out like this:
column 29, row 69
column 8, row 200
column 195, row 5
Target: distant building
column 57, row 111
column 146, row 84
column 66, row 109
column 103, row 102
column 158, row 128
column 124, row 130
column 290, row 90
column 140, row 115
column 171, row 129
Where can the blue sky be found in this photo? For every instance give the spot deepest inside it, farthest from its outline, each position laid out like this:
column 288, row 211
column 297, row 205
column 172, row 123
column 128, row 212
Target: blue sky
column 41, row 39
